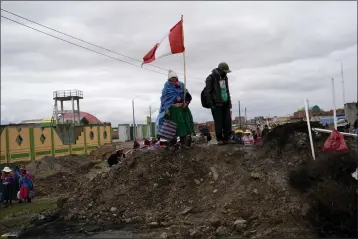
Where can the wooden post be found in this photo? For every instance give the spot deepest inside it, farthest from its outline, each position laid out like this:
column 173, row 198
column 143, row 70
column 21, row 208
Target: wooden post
column 184, row 58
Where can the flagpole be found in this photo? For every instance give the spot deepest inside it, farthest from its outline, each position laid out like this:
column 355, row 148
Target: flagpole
column 184, row 58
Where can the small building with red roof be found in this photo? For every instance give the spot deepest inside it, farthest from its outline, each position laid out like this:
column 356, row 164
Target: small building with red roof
column 84, row 116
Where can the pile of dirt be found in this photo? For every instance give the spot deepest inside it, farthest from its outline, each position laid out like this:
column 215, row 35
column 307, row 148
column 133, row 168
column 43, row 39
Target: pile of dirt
column 331, row 190
column 293, row 138
column 290, row 134
column 201, row 192
column 58, row 175
column 103, row 152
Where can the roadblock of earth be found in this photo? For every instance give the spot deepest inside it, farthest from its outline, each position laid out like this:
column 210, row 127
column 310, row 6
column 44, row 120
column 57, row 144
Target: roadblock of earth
column 57, row 175
column 274, row 190
column 218, row 190
column 224, row 191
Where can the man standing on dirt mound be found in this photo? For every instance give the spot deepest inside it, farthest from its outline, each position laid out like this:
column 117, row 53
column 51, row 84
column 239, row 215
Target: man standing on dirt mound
column 216, row 95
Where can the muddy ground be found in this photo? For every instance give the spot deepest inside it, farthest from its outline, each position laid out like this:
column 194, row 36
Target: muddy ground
column 273, row 190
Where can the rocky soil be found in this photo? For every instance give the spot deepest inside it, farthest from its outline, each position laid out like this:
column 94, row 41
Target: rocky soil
column 271, row 190
column 202, row 192
column 211, row 191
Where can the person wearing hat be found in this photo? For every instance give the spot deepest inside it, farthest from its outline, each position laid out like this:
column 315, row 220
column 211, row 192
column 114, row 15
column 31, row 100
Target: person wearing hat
column 26, row 185
column 174, row 107
column 217, row 97
column 7, row 181
column 248, row 138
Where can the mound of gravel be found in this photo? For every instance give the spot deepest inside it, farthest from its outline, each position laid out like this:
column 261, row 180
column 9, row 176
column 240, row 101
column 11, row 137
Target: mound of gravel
column 203, row 192
column 49, row 165
column 59, row 175
column 329, row 187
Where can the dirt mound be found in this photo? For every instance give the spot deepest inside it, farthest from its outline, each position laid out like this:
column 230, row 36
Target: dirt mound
column 293, row 138
column 57, row 175
column 103, row 152
column 331, row 191
column 282, row 135
column 205, row 191
column 49, row 165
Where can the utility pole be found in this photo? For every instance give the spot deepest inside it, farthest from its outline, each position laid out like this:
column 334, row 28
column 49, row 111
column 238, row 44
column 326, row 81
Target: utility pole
column 240, row 115
column 150, row 121
column 344, row 93
column 134, row 126
column 245, row 116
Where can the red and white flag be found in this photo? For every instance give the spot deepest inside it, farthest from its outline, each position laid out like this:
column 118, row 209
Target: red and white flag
column 172, row 43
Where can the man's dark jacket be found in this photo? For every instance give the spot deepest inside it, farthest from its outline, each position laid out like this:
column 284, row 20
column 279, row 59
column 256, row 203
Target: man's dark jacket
column 212, row 90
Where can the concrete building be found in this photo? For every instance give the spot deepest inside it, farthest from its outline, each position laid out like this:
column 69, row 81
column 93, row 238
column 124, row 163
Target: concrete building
column 314, row 111
column 281, row 119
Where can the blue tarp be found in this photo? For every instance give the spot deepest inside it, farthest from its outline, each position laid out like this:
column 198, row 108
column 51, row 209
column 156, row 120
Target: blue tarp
column 329, row 121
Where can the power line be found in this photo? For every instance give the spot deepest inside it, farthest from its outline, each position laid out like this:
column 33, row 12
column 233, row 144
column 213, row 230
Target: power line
column 106, row 49
column 82, row 46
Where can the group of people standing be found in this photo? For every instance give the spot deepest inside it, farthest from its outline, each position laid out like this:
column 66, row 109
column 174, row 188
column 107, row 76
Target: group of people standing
column 175, row 118
column 16, row 185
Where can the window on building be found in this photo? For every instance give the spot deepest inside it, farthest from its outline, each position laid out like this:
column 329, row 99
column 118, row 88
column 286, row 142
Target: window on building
column 19, row 140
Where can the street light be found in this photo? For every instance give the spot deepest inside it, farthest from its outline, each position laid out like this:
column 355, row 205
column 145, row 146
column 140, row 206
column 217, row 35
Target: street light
column 134, row 126
column 150, row 118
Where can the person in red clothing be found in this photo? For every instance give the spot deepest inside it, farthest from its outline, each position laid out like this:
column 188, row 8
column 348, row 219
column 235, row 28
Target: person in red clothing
column 26, row 185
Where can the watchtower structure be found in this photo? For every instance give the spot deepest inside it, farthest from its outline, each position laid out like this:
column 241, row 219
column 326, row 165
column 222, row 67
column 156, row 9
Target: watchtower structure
column 67, row 95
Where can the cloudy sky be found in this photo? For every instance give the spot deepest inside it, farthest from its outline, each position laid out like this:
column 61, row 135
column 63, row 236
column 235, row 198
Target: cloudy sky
column 279, row 53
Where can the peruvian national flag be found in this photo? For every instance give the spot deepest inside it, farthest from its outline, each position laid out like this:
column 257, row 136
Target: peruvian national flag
column 172, row 43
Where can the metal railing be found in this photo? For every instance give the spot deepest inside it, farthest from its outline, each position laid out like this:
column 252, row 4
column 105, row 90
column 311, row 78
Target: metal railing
column 327, row 131
column 67, row 93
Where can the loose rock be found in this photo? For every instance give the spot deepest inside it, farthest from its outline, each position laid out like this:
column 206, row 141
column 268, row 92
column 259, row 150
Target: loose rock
column 214, row 172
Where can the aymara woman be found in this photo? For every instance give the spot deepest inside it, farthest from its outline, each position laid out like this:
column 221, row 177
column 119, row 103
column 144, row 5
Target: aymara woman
column 7, row 181
column 26, row 185
column 174, row 108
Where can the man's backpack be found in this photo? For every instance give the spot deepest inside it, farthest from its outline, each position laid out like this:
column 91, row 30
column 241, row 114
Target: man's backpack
column 204, row 102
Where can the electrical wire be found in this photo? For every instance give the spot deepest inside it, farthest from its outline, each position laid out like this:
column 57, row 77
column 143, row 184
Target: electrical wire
column 76, row 38
column 59, row 38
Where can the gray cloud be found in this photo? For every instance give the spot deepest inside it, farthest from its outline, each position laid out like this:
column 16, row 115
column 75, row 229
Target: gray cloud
column 279, row 52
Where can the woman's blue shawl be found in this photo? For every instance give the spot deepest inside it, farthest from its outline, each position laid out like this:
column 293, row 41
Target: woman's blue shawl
column 169, row 95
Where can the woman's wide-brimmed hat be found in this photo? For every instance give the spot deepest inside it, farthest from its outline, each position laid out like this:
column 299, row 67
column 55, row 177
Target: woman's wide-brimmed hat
column 247, row 132
column 6, row 170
